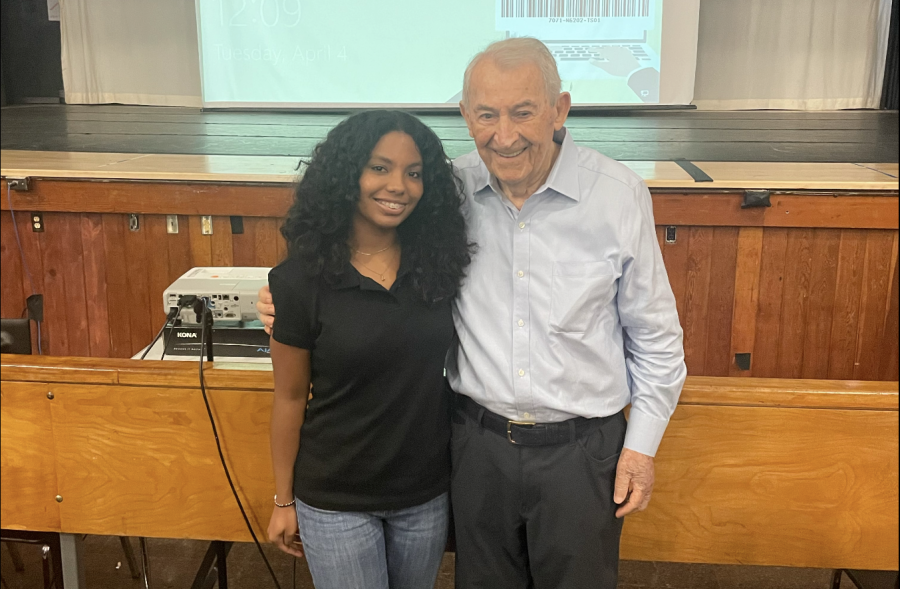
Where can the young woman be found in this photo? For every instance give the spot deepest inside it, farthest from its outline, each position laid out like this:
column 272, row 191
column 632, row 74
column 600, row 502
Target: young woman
column 377, row 249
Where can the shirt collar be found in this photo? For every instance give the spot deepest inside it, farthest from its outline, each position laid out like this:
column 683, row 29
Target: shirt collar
column 563, row 176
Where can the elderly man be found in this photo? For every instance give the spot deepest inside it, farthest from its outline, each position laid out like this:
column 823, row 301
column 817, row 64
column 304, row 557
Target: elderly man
column 566, row 317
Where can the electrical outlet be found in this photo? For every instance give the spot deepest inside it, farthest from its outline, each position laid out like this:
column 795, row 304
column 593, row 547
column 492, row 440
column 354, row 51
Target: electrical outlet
column 20, row 184
column 134, row 222
column 671, row 234
column 206, row 225
column 37, row 222
column 171, row 223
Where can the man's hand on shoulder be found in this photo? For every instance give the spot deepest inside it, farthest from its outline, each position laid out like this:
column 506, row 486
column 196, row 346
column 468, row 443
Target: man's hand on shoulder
column 265, row 310
column 635, row 475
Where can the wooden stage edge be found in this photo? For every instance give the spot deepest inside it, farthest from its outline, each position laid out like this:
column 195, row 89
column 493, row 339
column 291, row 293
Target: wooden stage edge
column 850, row 176
column 799, row 473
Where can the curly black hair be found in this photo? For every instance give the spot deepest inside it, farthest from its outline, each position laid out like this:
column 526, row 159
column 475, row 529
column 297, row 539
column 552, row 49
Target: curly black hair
column 433, row 237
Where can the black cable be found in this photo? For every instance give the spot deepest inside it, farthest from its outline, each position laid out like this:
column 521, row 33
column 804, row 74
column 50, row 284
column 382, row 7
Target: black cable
column 173, row 312
column 166, row 340
column 212, row 422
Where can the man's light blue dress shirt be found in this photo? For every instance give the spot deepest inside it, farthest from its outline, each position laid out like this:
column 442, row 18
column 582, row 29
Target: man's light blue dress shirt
column 567, row 310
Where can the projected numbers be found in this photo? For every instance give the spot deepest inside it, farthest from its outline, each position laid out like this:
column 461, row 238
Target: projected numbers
column 269, row 13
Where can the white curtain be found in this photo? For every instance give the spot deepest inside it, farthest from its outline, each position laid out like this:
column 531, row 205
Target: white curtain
column 752, row 54
column 791, row 54
column 130, row 52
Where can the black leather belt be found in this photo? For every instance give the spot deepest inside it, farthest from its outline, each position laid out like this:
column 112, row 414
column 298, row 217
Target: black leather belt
column 526, row 433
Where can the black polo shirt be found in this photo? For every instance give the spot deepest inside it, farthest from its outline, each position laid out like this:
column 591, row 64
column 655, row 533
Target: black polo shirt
column 377, row 428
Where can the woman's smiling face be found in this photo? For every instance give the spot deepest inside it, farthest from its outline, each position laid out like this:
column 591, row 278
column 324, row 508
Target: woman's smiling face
column 390, row 185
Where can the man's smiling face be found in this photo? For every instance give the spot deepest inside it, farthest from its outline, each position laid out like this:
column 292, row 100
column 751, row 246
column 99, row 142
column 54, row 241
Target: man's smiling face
column 512, row 120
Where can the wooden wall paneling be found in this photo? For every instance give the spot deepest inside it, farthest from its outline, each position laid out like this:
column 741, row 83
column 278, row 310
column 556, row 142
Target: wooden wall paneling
column 273, row 200
column 28, row 456
column 824, row 248
column 889, row 366
column 201, row 246
column 153, row 197
column 94, row 250
column 280, row 243
column 845, row 319
column 221, row 247
column 137, row 254
column 675, row 257
column 795, row 304
column 721, row 300
column 771, row 289
column 73, row 272
column 117, row 291
column 799, row 294
column 266, row 242
column 12, row 301
column 745, row 298
column 54, row 284
column 244, row 244
column 696, row 299
column 179, row 246
column 873, row 304
column 787, row 210
column 159, row 276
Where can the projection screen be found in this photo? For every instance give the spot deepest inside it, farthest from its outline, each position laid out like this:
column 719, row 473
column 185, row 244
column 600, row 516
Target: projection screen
column 412, row 53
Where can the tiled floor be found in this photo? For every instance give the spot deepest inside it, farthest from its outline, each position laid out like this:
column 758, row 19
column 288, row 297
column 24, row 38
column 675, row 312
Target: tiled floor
column 173, row 564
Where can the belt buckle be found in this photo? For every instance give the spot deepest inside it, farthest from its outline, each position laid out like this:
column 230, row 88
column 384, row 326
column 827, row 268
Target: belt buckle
column 509, row 425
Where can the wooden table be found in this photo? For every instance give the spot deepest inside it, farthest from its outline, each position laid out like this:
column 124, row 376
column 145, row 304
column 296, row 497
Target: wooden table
column 751, row 471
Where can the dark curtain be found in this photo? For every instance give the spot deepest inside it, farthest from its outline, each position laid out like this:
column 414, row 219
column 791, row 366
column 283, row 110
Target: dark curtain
column 889, row 91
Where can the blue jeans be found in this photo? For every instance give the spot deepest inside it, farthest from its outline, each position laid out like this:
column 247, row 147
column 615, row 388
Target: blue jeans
column 397, row 549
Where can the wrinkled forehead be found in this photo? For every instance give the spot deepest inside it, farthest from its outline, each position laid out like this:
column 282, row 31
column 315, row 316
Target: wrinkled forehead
column 494, row 86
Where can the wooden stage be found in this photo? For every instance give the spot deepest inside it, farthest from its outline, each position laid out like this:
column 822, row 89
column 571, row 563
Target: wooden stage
column 626, row 134
column 790, row 459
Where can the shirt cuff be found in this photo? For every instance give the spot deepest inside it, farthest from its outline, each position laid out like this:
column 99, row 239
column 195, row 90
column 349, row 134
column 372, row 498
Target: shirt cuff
column 644, row 432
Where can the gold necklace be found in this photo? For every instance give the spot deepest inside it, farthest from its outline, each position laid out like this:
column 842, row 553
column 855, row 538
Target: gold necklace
column 373, row 253
column 387, row 267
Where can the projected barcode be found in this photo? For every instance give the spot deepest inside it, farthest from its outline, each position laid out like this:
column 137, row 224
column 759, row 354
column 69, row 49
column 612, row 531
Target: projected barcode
column 573, row 8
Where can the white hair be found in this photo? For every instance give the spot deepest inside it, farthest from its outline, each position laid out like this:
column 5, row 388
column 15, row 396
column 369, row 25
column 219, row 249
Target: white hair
column 515, row 52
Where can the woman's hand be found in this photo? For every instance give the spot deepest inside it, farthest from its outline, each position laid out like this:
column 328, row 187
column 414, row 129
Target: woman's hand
column 283, row 531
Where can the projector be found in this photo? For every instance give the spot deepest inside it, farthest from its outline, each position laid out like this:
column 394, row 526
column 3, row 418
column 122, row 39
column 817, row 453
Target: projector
column 230, row 294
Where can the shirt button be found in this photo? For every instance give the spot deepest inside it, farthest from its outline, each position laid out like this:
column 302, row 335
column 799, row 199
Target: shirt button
column 521, row 372
column 520, row 323
column 522, row 225
column 520, row 274
column 526, row 415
